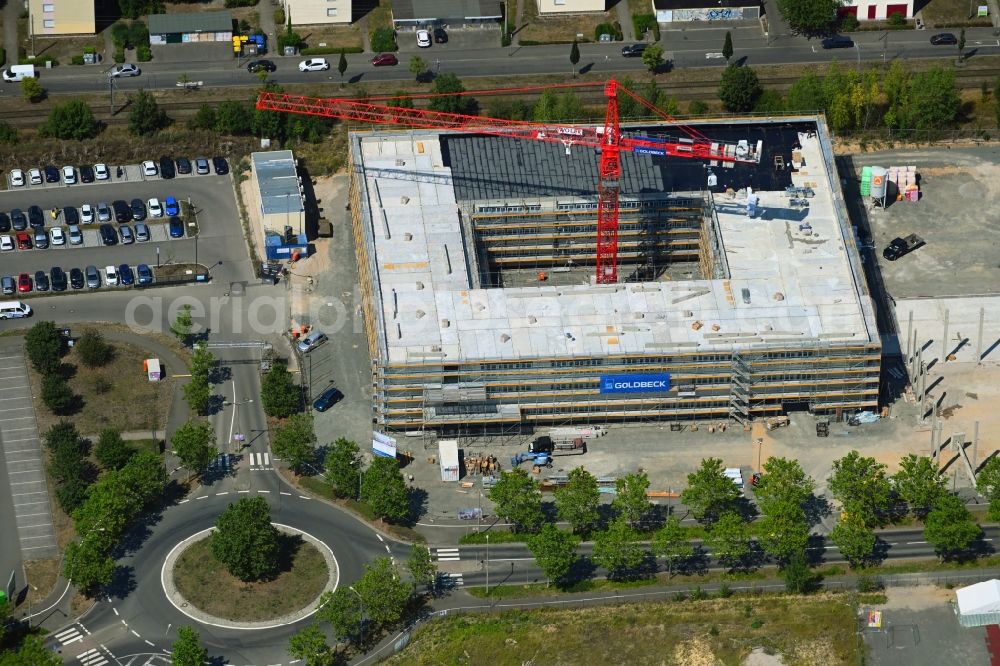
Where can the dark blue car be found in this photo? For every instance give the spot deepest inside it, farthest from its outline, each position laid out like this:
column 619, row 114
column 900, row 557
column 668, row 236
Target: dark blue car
column 125, row 275
column 327, row 399
column 176, row 227
column 143, row 274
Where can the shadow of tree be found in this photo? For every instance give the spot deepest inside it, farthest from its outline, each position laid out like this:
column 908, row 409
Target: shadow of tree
column 122, row 582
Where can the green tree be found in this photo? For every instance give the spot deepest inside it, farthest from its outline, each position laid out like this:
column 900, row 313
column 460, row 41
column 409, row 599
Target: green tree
column 950, row 528
column 245, row 541
column 343, row 467
column 383, row 39
column 418, row 67
column 92, row 350
column 710, row 493
column 197, row 395
column 809, row 17
column 652, row 58
column 729, row 540
column 421, row 567
column 293, row 441
column 233, row 118
column 740, row 88
column 187, row 649
column 896, row 86
column 919, row 483
column 631, row 500
column 783, row 530
column 988, row 485
column 279, row 395
column 32, row 652
column 32, row 89
column 112, row 451
column 45, row 344
column 57, row 395
column 517, row 498
column 934, row 101
column 578, row 500
column 671, row 542
column 799, row 578
column 194, row 444
column 204, row 119
column 8, row 134
column 862, row 487
column 806, row 94
column 183, row 325
column 342, row 610
column 618, row 550
column 72, row 120
column 72, row 493
column 727, row 47
column 87, row 565
column 309, row 644
column 783, row 482
column 202, row 362
column 342, row 66
column 450, row 86
column 554, row 551
column 145, row 117
column 574, row 55
column 385, row 491
column 118, row 497
column 854, row 539
column 961, row 44
column 63, row 435
column 385, row 594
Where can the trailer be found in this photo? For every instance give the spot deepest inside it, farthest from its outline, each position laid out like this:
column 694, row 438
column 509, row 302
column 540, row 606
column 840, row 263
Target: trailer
column 546, row 444
column 448, row 456
column 899, row 247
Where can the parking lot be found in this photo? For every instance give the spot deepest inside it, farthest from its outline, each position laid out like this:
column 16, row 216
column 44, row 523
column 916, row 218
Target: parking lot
column 211, row 196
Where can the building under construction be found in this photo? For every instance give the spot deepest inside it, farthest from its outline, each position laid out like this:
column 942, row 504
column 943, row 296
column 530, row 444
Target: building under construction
column 476, row 258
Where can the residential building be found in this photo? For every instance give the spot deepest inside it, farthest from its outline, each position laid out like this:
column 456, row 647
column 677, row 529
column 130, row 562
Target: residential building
column 878, row 10
column 316, row 12
column 190, row 28
column 549, row 7
column 419, row 14
column 61, row 17
column 684, row 11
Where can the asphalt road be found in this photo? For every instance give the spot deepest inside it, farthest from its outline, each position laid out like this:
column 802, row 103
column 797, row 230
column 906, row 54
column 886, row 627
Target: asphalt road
column 689, row 47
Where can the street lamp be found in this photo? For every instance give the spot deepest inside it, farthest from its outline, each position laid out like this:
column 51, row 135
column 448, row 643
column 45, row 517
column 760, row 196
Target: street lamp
column 361, row 622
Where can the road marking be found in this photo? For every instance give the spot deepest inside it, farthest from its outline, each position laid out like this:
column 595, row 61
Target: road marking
column 184, row 501
column 70, row 635
column 387, row 549
column 242, row 491
column 304, row 497
column 379, row 537
column 92, row 657
column 447, row 554
column 136, row 633
column 222, row 493
column 456, row 579
column 150, row 643
column 116, row 612
column 267, row 458
column 284, row 493
column 268, row 492
column 913, row 543
column 202, row 497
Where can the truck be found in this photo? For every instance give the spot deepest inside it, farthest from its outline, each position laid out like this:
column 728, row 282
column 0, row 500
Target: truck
column 16, row 73
column 900, row 247
column 546, row 444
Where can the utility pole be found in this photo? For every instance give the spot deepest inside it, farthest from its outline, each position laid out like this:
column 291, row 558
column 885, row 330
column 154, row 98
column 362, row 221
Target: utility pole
column 31, row 30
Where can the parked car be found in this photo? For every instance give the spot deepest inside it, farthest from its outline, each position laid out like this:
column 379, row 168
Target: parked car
column 23, row 240
column 944, row 39
column 6, row 243
column 4, row 223
column 7, row 285
column 51, row 174
column 838, row 42
column 101, row 171
column 183, row 165
column 69, row 175
column 149, row 168
column 108, row 235
column 327, row 399
column 126, row 234
column 423, row 39
column 103, row 211
column 57, row 236
column 93, row 277
column 255, row 66
column 138, row 210
column 440, row 36
column 155, row 209
column 110, row 276
column 311, row 341
column 23, row 283
column 385, row 60
column 41, row 281
column 58, row 277
column 35, row 176
column 87, row 214
column 166, row 168
column 143, row 275
column 17, row 219
column 70, row 216
column 124, row 71
column 201, row 166
column 314, row 65
column 125, row 274
column 171, row 207
column 75, row 235
column 36, row 219
column 16, row 178
column 176, row 227
column 122, row 211
column 76, row 279
column 220, row 165
column 86, row 174
column 41, row 240
column 633, row 50
column 141, row 232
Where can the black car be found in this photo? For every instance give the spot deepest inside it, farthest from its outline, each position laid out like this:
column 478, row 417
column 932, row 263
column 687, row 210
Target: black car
column 943, row 39
column 138, row 210
column 633, row 50
column 18, row 220
column 4, row 223
column 76, row 278
column 838, row 42
column 41, row 281
column 122, row 211
column 440, row 36
column 58, row 279
column 108, row 235
column 327, row 399
column 255, row 66
column 35, row 217
column 70, row 215
column 183, row 165
column 221, row 166
column 51, row 174
column 86, row 174
column 166, row 168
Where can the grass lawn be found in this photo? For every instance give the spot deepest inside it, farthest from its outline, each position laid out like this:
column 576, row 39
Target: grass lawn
column 949, row 12
column 381, row 16
column 558, row 28
column 206, row 584
column 339, row 36
column 804, row 630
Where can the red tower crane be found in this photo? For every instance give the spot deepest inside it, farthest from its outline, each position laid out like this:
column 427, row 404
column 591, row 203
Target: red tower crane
column 608, row 139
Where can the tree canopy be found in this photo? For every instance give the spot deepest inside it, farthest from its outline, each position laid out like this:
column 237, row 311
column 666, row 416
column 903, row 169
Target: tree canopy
column 187, row 649
column 145, row 117
column 279, row 395
column 854, row 539
column 517, row 497
column 861, row 485
column 385, row 594
column 809, row 17
column 72, row 120
column 245, row 541
column 577, row 501
column 385, row 491
column 554, row 551
column 343, row 464
column 618, row 550
column 919, row 483
column 710, row 493
column 44, row 345
column 950, row 528
column 671, row 542
column 449, row 85
column 293, row 441
column 194, row 444
column 630, row 499
column 740, row 88
column 729, row 540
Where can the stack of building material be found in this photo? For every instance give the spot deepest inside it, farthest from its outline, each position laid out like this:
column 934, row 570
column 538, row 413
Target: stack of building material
column 866, row 181
column 905, row 179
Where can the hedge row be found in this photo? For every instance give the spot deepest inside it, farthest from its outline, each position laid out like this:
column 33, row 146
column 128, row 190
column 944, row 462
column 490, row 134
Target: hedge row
column 327, row 50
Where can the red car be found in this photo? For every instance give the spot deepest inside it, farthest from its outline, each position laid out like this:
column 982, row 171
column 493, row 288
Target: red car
column 385, row 60
column 23, row 241
column 24, row 283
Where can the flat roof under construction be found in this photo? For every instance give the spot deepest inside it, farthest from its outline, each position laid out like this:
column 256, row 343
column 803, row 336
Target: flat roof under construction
column 787, row 284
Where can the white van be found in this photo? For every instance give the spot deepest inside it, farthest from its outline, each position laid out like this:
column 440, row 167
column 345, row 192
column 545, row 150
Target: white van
column 19, row 73
column 14, row 310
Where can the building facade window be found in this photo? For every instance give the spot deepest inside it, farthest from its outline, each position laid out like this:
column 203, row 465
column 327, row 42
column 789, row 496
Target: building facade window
column 331, row 12
column 48, row 7
column 48, row 23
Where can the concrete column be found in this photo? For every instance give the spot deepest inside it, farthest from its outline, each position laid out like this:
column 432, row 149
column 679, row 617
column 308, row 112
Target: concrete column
column 979, row 338
column 913, row 357
column 944, row 338
column 975, row 445
column 909, row 336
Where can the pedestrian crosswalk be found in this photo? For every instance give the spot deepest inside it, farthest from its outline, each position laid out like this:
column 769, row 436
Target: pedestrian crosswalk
column 93, row 657
column 447, row 554
column 72, row 634
column 260, row 461
column 453, row 580
column 221, row 463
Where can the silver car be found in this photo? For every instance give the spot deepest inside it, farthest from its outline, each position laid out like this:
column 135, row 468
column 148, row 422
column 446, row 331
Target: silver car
column 103, row 212
column 141, row 232
column 93, row 277
column 311, row 341
column 75, row 236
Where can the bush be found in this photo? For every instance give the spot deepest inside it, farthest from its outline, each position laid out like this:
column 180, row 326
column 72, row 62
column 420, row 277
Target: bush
column 230, row 4
column 897, row 20
column 3, row 56
column 383, row 39
column 7, row 133
column 56, row 394
column 725, row 591
column 287, row 38
column 93, row 351
column 76, row 60
column 44, row 345
column 40, row 61
column 72, row 120
column 849, row 23
column 697, row 108
column 279, row 16
column 143, row 53
column 643, row 22
column 613, row 29
column 869, row 584
column 119, row 34
column 119, row 54
column 327, row 50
